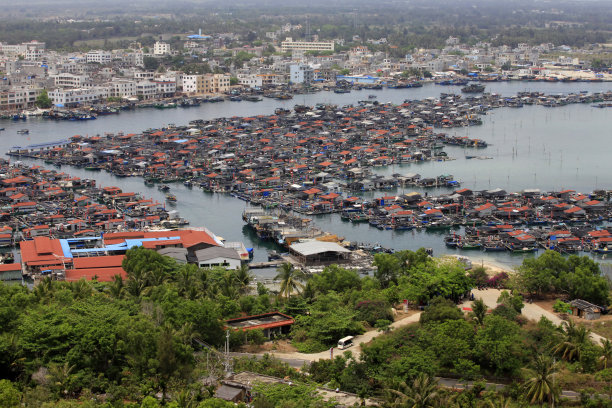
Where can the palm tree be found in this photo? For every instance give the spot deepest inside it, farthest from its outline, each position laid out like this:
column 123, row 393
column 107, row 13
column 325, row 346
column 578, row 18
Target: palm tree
column 244, row 277
column 420, row 393
column 186, row 399
column 573, row 340
column 185, row 280
column 81, row 289
column 479, row 311
column 44, row 289
column 116, row 287
column 290, row 278
column 540, row 387
column 606, row 353
column 502, row 402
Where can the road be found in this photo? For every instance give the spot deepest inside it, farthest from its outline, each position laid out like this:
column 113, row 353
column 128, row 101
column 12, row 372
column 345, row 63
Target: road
column 489, row 296
column 531, row 311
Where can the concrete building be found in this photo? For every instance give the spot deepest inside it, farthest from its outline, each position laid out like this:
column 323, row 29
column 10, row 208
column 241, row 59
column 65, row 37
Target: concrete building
column 206, row 84
column 301, row 74
column 218, row 256
column 73, row 97
column 146, row 90
column 122, row 88
column 98, row 56
column 161, row 48
column 290, row 45
column 250, row 80
column 165, row 88
column 69, row 80
column 18, row 98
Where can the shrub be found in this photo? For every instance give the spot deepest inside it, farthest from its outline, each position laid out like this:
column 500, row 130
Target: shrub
column 371, row 311
column 562, row 307
column 498, row 280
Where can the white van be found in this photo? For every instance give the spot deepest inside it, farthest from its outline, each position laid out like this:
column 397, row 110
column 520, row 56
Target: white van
column 345, row 342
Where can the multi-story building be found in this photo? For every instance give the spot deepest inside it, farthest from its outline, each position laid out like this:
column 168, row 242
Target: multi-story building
column 290, row 45
column 220, row 83
column 122, row 88
column 74, row 97
column 250, row 80
column 165, row 88
column 301, row 74
column 146, row 90
column 99, row 56
column 68, row 80
column 18, row 98
column 161, row 48
column 206, row 84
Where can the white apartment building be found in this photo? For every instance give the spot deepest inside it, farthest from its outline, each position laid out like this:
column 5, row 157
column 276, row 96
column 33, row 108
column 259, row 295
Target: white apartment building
column 165, row 88
column 73, row 97
column 290, row 45
column 99, row 56
column 70, row 80
column 250, row 80
column 141, row 76
column 190, row 84
column 161, row 48
column 146, row 89
column 122, row 88
column 301, row 74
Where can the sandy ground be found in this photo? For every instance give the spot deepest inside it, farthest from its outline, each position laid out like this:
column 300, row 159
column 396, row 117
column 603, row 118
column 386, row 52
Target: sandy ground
column 356, row 350
column 532, row 311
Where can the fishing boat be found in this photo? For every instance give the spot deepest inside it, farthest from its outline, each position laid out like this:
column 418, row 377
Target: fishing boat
column 23, row 131
column 473, row 88
column 171, row 198
column 163, row 187
column 359, row 217
column 469, row 245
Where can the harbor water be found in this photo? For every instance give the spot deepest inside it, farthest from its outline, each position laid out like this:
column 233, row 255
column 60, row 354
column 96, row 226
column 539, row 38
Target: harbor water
column 529, row 147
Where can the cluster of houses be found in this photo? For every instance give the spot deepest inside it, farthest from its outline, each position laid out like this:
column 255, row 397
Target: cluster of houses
column 56, row 219
column 85, row 78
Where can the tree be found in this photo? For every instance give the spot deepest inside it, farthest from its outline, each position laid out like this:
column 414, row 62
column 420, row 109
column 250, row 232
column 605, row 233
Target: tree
column 573, row 340
column 420, row 393
column 9, row 395
column 479, row 311
column 233, row 81
column 387, row 268
column 540, row 386
column 440, row 310
column 150, row 63
column 244, row 278
column 498, row 345
column 514, row 301
column 43, row 101
column 291, row 279
column 479, row 276
column 606, row 353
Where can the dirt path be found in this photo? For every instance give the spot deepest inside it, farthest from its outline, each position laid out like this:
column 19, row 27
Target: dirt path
column 530, row 311
column 356, row 350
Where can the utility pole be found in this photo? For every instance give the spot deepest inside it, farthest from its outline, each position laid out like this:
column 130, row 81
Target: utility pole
column 227, row 363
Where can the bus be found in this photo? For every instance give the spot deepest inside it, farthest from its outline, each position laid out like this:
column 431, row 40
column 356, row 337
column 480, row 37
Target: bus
column 345, row 342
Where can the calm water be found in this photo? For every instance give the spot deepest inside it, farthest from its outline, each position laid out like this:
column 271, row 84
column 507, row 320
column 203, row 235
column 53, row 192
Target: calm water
column 532, row 147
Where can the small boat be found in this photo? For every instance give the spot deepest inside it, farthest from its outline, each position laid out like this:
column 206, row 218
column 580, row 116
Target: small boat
column 163, row 187
column 372, row 96
column 171, row 197
column 23, row 131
